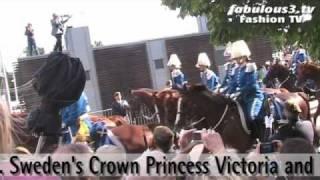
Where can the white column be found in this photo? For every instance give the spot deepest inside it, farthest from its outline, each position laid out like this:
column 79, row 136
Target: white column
column 78, row 44
column 202, row 24
column 157, row 57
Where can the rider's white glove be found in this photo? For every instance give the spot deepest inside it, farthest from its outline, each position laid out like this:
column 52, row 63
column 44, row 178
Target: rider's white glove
column 234, row 95
column 223, row 89
column 216, row 91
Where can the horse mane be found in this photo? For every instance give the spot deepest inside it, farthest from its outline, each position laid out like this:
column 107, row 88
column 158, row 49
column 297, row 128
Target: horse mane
column 311, row 68
column 280, row 68
column 142, row 91
column 213, row 97
column 309, row 71
column 144, row 95
column 168, row 93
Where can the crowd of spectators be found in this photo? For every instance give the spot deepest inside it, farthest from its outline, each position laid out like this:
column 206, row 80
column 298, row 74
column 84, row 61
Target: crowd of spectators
column 210, row 142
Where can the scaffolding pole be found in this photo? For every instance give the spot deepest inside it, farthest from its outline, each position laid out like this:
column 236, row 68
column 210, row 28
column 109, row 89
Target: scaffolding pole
column 5, row 77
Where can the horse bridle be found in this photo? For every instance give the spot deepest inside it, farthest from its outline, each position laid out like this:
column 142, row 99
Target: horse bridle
column 156, row 113
column 284, row 81
column 178, row 116
column 310, row 89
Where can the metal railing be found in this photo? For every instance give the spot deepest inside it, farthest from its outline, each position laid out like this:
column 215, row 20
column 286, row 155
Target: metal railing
column 136, row 118
column 105, row 112
column 139, row 118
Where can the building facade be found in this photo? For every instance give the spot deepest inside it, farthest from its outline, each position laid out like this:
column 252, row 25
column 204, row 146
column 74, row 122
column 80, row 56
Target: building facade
column 133, row 65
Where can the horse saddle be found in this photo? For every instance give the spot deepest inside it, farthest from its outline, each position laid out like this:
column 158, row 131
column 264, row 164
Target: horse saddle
column 243, row 118
column 277, row 113
column 271, row 91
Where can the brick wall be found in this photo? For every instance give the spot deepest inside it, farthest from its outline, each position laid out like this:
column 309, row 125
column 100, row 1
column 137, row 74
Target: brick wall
column 24, row 70
column 121, row 69
column 188, row 48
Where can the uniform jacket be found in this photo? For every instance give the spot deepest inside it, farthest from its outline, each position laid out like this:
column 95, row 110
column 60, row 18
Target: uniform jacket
column 230, row 70
column 177, row 78
column 210, row 79
column 245, row 82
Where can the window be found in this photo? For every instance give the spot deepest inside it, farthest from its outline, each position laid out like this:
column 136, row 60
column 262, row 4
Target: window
column 158, row 63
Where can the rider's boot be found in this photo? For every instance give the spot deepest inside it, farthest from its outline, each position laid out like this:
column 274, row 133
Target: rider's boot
column 255, row 130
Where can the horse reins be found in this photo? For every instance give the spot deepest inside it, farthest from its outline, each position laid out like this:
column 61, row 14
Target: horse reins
column 222, row 117
column 197, row 122
column 313, row 90
column 178, row 116
column 284, row 81
column 156, row 113
column 218, row 123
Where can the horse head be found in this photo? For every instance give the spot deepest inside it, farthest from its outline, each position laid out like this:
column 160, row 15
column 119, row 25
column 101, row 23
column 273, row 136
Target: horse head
column 200, row 107
column 277, row 71
column 167, row 103
column 307, row 72
column 140, row 97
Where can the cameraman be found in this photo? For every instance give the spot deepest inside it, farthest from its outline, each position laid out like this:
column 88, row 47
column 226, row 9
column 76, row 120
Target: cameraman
column 57, row 30
column 31, row 42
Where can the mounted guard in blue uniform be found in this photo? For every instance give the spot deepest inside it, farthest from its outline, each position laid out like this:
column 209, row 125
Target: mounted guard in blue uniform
column 299, row 56
column 245, row 85
column 177, row 76
column 208, row 77
column 229, row 67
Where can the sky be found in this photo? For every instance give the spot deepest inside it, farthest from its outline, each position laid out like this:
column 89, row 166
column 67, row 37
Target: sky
column 109, row 21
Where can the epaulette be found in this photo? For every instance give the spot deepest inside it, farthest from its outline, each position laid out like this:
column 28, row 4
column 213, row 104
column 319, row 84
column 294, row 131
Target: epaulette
column 251, row 67
column 176, row 72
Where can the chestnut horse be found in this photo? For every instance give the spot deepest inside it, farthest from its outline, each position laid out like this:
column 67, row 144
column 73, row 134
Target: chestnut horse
column 286, row 78
column 310, row 72
column 220, row 113
column 162, row 104
column 142, row 96
column 140, row 136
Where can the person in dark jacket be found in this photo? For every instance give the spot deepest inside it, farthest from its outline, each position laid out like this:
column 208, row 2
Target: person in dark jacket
column 119, row 106
column 32, row 47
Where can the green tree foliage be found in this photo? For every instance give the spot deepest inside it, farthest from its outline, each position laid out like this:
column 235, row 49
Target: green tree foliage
column 222, row 30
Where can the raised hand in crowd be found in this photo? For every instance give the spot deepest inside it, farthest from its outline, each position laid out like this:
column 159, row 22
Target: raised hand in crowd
column 185, row 140
column 213, row 141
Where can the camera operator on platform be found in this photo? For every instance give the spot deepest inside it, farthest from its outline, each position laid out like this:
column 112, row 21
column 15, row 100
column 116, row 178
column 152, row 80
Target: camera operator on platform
column 57, row 23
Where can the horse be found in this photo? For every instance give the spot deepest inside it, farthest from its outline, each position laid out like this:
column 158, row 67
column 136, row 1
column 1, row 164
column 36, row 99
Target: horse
column 141, row 96
column 162, row 104
column 220, row 113
column 285, row 77
column 307, row 72
column 111, row 121
column 134, row 138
